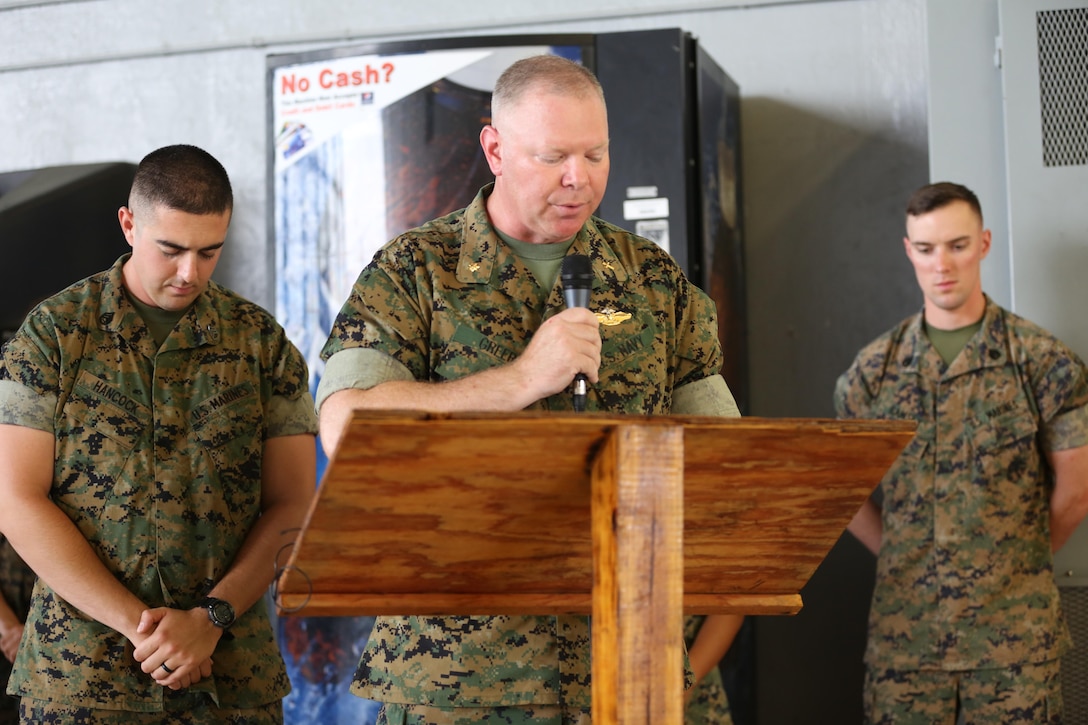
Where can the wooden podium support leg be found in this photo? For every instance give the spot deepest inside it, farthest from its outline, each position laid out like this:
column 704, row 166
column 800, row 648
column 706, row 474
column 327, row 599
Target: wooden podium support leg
column 638, row 576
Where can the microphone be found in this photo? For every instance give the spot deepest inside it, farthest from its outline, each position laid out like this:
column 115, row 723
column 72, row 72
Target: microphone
column 577, row 276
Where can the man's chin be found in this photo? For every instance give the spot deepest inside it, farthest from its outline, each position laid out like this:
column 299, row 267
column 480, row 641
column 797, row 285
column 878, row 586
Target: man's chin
column 567, row 226
column 949, row 302
column 175, row 303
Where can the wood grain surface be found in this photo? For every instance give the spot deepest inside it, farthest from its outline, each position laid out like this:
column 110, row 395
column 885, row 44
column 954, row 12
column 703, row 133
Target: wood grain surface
column 423, row 513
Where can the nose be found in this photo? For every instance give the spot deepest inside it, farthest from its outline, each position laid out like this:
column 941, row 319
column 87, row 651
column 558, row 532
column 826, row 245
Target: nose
column 575, row 172
column 187, row 267
column 943, row 258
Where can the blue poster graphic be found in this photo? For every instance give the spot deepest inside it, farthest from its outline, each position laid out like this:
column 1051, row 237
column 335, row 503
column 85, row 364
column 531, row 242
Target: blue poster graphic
column 364, row 147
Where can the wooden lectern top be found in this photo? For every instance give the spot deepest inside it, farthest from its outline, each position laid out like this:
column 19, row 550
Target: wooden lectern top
column 422, row 513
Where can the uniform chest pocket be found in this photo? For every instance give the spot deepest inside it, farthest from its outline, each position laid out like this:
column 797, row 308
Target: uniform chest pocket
column 1005, row 462
column 619, row 344
column 100, row 428
column 1010, row 426
column 634, row 369
column 469, row 351
column 106, row 411
column 230, row 429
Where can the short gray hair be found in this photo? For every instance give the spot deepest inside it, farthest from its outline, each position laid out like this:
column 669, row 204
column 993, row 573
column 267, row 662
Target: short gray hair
column 550, row 73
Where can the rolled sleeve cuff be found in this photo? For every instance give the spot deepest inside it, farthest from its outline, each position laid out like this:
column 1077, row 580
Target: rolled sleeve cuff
column 1068, row 430
column 292, row 416
column 20, row 405
column 358, row 368
column 709, row 396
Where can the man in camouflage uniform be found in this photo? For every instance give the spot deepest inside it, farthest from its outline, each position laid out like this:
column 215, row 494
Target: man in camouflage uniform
column 466, row 314
column 965, row 618
column 157, row 435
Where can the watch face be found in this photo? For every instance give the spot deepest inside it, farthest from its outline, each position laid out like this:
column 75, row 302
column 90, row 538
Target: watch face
column 222, row 612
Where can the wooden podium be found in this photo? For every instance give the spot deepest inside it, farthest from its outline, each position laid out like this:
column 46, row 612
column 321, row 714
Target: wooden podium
column 635, row 520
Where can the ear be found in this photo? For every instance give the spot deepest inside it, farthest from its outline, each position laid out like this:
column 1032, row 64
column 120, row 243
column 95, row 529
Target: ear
column 128, row 225
column 986, row 240
column 492, row 146
column 907, row 247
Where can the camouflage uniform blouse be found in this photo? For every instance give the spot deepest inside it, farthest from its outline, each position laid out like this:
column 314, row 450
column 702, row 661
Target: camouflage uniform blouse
column 964, row 575
column 450, row 299
column 158, row 463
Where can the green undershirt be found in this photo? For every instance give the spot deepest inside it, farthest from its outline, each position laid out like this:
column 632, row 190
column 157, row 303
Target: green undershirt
column 543, row 260
column 159, row 321
column 949, row 343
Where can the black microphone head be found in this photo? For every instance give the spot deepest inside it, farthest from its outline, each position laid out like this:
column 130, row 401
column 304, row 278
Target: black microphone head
column 577, row 272
column 577, row 276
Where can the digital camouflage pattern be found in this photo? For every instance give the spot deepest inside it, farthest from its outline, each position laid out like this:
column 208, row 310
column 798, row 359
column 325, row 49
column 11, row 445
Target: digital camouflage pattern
column 450, row 299
column 708, row 705
column 964, row 574
column 158, row 463
column 1017, row 695
column 16, row 584
column 183, row 707
column 476, row 661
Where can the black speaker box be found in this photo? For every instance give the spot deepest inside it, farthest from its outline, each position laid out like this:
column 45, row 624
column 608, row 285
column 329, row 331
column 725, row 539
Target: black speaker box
column 57, row 226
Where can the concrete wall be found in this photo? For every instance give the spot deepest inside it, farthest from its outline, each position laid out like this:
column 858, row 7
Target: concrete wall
column 833, row 140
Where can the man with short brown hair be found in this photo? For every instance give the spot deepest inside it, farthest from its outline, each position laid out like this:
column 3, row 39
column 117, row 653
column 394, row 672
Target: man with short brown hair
column 966, row 618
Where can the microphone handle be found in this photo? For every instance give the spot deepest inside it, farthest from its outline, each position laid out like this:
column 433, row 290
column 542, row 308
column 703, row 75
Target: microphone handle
column 579, row 397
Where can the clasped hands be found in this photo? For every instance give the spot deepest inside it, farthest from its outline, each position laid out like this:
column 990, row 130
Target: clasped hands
column 183, row 640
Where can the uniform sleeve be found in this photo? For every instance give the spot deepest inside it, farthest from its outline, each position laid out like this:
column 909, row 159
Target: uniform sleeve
column 709, row 396
column 858, row 391
column 291, row 407
column 358, row 368
column 28, row 376
column 698, row 353
column 1061, row 395
column 852, row 398
column 31, row 358
column 385, row 312
column 19, row 405
column 291, row 416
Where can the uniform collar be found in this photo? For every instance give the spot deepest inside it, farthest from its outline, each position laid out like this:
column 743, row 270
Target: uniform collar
column 485, row 259
column 985, row 349
column 199, row 326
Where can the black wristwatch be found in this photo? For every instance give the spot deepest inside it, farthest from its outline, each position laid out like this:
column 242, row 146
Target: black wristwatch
column 219, row 611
